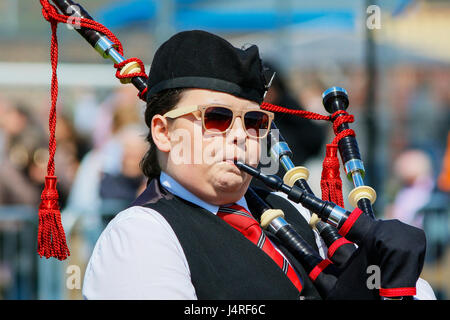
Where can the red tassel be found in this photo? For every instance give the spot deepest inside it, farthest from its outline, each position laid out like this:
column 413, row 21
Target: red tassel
column 331, row 183
column 51, row 236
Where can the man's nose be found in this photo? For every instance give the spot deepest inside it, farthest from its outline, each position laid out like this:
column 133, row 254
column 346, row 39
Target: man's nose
column 237, row 132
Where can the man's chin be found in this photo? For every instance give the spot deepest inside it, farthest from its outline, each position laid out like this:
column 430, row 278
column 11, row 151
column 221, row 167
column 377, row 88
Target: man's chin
column 232, row 182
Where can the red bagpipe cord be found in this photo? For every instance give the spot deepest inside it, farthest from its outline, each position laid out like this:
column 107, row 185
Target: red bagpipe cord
column 51, row 235
column 330, row 182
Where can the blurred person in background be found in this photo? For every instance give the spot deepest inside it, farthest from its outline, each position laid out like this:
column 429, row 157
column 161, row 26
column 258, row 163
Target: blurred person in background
column 109, row 177
column 305, row 137
column 437, row 211
column 121, row 177
column 415, row 178
column 23, row 161
column 444, row 176
column 120, row 108
column 436, row 217
column 128, row 181
column 71, row 149
column 420, row 110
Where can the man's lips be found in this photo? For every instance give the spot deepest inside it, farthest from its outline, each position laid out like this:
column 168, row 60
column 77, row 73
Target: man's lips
column 233, row 160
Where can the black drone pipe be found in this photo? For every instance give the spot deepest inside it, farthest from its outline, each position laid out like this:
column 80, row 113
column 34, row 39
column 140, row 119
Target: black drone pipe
column 335, row 99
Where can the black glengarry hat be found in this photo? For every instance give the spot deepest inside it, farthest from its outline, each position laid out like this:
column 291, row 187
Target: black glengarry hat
column 198, row 59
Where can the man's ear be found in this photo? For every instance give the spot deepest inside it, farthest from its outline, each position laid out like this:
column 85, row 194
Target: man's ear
column 160, row 133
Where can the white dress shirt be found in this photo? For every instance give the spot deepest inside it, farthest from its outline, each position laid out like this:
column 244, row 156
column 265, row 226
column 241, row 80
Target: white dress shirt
column 138, row 255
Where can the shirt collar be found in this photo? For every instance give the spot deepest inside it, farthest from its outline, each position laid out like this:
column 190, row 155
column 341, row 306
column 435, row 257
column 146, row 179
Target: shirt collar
column 177, row 189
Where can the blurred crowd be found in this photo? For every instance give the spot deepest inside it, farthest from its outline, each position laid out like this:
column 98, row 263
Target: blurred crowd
column 112, row 129
column 98, row 150
column 101, row 141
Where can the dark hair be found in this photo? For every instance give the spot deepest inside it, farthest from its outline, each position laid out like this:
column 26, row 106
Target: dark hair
column 160, row 103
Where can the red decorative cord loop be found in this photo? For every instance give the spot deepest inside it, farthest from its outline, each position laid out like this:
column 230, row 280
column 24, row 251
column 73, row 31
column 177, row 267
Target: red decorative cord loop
column 338, row 121
column 331, row 184
column 119, row 67
column 301, row 113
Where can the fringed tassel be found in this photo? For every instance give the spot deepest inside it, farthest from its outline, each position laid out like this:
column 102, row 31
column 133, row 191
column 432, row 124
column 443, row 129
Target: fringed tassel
column 51, row 236
column 331, row 183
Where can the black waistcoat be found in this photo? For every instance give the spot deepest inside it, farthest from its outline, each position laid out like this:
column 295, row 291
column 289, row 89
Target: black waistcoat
column 222, row 262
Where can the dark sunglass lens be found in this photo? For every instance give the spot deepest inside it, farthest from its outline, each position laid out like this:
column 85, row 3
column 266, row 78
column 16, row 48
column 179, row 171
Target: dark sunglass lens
column 218, row 118
column 256, row 123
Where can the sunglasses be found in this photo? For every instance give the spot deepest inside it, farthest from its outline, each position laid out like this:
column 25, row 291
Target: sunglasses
column 219, row 119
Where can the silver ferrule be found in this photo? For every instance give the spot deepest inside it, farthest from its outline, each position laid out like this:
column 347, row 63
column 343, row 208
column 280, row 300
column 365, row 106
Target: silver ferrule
column 280, row 148
column 286, row 162
column 336, row 215
column 276, row 224
column 354, row 165
column 107, row 50
column 357, row 179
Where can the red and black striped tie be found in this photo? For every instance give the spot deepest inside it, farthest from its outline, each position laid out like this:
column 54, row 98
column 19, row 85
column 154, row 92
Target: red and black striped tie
column 240, row 219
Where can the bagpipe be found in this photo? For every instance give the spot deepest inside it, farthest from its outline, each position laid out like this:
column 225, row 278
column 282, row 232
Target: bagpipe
column 355, row 239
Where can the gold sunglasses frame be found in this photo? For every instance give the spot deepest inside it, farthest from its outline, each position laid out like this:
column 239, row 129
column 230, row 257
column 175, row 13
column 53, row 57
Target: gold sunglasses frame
column 182, row 111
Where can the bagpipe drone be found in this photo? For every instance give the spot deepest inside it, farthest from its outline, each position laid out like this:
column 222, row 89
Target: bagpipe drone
column 355, row 239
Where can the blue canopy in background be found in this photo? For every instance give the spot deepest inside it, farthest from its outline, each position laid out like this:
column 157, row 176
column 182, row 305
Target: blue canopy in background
column 243, row 15
column 295, row 32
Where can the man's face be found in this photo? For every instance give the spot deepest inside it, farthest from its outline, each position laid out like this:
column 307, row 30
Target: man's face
column 203, row 162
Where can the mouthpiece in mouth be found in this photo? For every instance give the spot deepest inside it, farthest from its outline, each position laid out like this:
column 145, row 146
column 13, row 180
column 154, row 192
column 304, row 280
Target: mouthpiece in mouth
column 238, row 164
column 273, row 181
column 247, row 169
